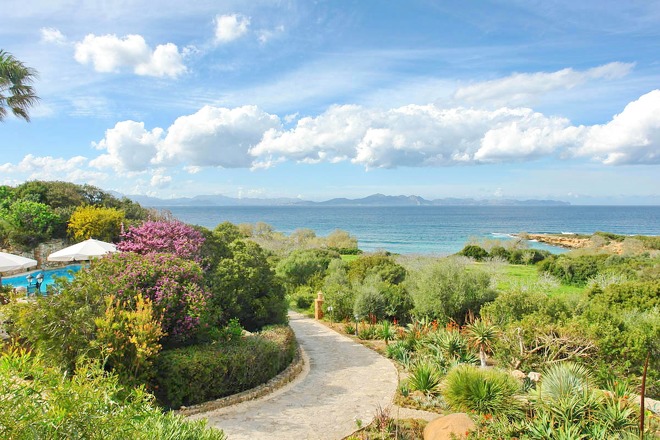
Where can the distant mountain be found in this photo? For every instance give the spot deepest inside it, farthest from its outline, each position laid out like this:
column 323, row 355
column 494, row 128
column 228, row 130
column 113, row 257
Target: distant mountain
column 376, row 200
column 372, row 200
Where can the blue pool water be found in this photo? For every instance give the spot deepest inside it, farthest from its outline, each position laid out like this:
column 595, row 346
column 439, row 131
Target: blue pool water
column 50, row 275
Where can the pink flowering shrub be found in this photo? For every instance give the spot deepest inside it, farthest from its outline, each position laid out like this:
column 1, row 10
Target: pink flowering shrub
column 174, row 285
column 172, row 237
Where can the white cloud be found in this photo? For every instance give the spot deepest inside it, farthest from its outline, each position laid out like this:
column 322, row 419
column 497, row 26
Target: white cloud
column 216, row 136
column 428, row 135
column 412, row 135
column 190, row 169
column 109, row 53
column 52, row 35
column 32, row 163
column 525, row 88
column 631, row 137
column 160, row 180
column 416, row 135
column 129, row 146
column 53, row 168
column 230, row 27
column 265, row 35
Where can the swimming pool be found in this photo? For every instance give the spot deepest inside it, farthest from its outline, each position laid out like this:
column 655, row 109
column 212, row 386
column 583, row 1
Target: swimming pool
column 18, row 281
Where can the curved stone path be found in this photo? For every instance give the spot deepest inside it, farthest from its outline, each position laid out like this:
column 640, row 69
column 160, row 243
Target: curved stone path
column 343, row 381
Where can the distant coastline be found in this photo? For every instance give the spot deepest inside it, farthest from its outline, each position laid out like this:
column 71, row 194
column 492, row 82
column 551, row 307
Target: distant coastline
column 379, row 200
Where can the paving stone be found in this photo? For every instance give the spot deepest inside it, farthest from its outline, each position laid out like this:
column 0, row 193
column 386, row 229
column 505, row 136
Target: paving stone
column 343, row 381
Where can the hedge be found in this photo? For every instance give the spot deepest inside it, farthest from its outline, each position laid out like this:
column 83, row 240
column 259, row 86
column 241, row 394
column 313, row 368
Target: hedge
column 199, row 373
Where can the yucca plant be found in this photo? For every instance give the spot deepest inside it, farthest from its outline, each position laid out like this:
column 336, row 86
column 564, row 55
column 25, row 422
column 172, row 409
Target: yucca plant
column 567, row 405
column 467, row 388
column 563, row 380
column 386, row 331
column 424, row 377
column 399, row 352
column 481, row 335
column 446, row 344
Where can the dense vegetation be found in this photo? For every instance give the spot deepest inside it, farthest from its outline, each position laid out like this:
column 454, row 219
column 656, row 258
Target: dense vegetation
column 41, row 402
column 583, row 314
column 172, row 305
column 36, row 211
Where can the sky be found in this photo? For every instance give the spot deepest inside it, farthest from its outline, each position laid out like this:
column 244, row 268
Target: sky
column 334, row 98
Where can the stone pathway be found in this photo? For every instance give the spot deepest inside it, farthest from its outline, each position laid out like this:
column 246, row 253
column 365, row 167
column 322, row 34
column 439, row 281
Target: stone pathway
column 343, row 381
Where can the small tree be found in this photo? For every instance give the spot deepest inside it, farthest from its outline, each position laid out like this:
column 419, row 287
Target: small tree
column 95, row 222
column 446, row 290
column 29, row 222
column 370, row 301
column 482, row 335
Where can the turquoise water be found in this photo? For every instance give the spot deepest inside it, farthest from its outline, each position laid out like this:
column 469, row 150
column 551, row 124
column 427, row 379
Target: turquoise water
column 50, row 275
column 433, row 229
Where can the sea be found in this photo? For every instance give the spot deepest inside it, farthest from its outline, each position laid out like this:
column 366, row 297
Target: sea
column 436, row 230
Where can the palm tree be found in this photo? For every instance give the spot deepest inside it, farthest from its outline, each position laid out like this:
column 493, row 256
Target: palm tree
column 482, row 334
column 16, row 92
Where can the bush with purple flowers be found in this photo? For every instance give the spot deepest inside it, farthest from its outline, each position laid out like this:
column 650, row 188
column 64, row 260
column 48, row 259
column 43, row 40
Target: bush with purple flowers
column 173, row 237
column 174, row 285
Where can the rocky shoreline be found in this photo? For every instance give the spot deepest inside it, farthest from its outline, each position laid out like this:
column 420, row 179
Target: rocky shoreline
column 572, row 241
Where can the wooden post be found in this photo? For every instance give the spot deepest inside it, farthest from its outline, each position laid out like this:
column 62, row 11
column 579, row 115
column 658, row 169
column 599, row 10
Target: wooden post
column 318, row 306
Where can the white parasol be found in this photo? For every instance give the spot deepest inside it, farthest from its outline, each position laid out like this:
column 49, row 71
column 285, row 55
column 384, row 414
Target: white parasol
column 84, row 250
column 10, row 262
column 14, row 262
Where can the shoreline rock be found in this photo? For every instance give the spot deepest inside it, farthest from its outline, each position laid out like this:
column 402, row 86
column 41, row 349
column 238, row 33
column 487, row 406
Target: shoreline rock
column 573, row 241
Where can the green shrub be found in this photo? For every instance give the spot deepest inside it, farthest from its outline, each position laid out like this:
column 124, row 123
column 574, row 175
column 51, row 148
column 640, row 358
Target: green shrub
column 195, row 374
column 41, row 402
column 387, row 270
column 574, row 270
column 301, row 266
column 445, row 290
column 514, row 305
column 473, row 251
column 304, row 297
column 366, row 332
column 338, row 292
column 244, row 286
column 499, row 252
column 400, row 352
column 370, row 302
column 631, row 294
column 480, row 390
column 425, row 377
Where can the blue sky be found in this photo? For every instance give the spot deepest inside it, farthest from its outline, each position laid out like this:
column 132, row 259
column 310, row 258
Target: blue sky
column 321, row 99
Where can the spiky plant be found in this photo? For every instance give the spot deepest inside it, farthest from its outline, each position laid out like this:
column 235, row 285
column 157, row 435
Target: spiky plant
column 468, row 388
column 564, row 380
column 481, row 335
column 424, row 377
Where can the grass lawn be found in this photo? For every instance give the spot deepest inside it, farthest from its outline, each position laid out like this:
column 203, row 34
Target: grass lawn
column 517, row 274
column 349, row 258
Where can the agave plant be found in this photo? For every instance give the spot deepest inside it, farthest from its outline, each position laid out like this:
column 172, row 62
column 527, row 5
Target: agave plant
column 448, row 345
column 424, row 377
column 564, row 380
column 568, row 407
column 468, row 388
